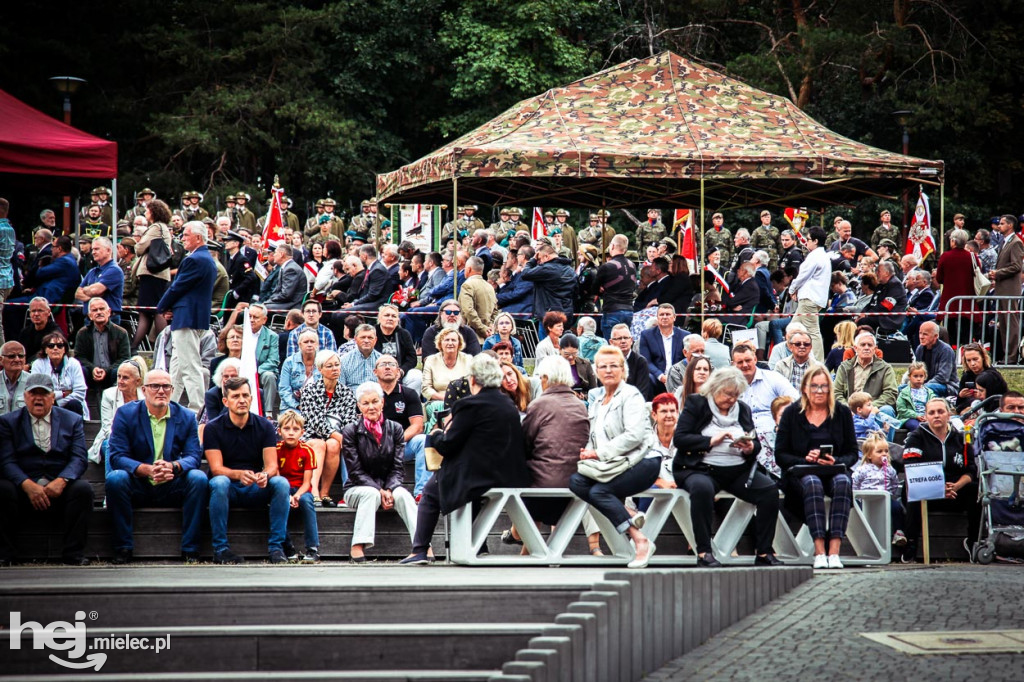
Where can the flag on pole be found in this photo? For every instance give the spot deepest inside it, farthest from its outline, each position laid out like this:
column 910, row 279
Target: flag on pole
column 249, row 369
column 538, row 227
column 797, row 219
column 682, row 226
column 275, row 218
column 919, row 239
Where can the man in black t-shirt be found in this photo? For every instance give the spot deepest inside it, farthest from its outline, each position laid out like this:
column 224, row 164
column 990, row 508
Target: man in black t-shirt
column 241, row 449
column 402, row 405
column 616, row 283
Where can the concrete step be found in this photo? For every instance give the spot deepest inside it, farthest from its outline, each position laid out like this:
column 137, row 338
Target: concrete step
column 301, row 603
column 272, row 676
column 284, row 647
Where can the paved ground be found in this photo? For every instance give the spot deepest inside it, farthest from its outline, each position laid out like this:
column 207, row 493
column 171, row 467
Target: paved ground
column 813, row 633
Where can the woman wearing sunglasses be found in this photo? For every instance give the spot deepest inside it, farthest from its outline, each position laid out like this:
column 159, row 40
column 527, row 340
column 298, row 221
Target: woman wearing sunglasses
column 65, row 371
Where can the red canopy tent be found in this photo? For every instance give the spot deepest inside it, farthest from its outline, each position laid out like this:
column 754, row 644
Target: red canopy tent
column 32, row 143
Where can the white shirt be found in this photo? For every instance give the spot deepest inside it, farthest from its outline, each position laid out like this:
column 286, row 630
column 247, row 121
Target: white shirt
column 814, row 279
column 666, row 341
column 41, row 432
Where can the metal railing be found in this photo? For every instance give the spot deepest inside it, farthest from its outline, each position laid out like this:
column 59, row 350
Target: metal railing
column 993, row 321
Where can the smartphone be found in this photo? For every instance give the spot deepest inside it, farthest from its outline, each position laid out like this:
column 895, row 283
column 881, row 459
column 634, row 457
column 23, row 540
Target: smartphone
column 825, row 451
column 969, row 384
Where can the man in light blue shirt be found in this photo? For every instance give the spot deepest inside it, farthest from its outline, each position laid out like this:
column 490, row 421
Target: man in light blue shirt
column 358, row 366
column 764, row 387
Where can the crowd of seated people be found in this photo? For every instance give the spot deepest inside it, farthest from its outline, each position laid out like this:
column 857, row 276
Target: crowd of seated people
column 745, row 420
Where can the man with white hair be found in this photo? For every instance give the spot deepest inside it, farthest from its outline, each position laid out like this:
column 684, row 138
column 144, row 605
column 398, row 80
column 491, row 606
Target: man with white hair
column 105, row 280
column 940, row 359
column 586, row 332
column 187, row 306
column 693, row 347
column 865, row 371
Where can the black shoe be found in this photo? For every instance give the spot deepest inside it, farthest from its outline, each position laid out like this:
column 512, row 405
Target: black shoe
column 190, row 557
column 326, row 501
column 290, row 551
column 416, row 560
column 76, row 561
column 767, row 560
column 122, row 557
column 276, row 556
column 226, row 556
column 708, row 561
column 509, row 539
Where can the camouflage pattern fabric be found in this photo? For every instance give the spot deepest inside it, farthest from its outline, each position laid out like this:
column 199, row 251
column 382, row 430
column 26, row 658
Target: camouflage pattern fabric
column 830, row 239
column 503, row 229
column 882, row 232
column 647, row 233
column 767, row 239
column 464, row 227
column 722, row 239
column 659, row 118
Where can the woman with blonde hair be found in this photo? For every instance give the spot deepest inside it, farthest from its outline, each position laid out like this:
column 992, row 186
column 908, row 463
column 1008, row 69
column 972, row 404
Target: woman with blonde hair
column 131, row 374
column 504, row 330
column 515, row 385
column 442, row 368
column 845, row 331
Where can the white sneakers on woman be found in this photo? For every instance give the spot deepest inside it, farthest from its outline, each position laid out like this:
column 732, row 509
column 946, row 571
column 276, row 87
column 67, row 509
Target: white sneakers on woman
column 831, row 561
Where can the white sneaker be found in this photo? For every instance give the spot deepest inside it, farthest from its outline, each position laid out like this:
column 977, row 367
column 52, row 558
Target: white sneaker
column 834, row 562
column 820, row 561
column 899, row 539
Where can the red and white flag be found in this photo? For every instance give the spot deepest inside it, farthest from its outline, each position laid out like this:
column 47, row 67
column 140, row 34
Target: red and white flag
column 797, row 219
column 719, row 280
column 537, row 226
column 275, row 219
column 682, row 226
column 919, row 240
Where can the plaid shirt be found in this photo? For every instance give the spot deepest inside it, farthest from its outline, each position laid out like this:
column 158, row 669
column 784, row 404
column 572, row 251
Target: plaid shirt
column 355, row 369
column 325, row 335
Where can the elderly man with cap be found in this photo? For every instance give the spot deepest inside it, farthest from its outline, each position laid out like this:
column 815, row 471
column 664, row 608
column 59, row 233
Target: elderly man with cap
column 242, row 280
column 42, row 459
column 243, row 216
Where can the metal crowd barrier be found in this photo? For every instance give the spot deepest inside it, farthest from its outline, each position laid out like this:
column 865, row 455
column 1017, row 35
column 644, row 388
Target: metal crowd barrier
column 869, row 531
column 995, row 321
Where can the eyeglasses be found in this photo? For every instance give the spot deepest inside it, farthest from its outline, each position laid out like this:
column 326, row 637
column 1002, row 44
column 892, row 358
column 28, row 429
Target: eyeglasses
column 55, row 345
column 452, row 313
column 621, row 338
column 387, row 364
column 818, row 388
column 14, row 355
column 160, row 387
column 604, row 368
column 800, row 344
column 37, row 312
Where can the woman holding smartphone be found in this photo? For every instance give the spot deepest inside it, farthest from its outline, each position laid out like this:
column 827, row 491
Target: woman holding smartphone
column 816, row 448
column 716, row 450
column 979, row 380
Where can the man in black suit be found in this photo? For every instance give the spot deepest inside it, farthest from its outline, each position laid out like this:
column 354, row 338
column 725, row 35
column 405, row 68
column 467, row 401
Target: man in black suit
column 242, row 278
column 292, row 284
column 744, row 295
column 42, row 459
column 373, row 290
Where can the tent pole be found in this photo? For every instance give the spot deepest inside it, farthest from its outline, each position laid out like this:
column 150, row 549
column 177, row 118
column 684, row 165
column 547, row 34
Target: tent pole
column 942, row 215
column 113, row 207
column 700, row 265
column 455, row 237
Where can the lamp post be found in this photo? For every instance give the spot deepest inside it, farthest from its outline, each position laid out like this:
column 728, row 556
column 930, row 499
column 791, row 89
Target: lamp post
column 903, row 118
column 67, row 85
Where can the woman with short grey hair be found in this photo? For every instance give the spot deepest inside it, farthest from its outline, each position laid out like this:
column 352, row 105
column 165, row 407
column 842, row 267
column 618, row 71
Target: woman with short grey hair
column 716, row 450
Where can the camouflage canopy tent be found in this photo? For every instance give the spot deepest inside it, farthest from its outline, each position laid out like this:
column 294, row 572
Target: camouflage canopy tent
column 660, row 131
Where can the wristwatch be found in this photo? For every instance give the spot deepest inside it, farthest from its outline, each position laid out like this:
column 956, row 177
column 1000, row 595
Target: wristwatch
column 67, row 480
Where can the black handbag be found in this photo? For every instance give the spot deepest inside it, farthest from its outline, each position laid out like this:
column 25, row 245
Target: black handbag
column 158, row 257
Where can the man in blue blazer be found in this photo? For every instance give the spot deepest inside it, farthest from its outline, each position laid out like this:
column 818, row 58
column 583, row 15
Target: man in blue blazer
column 139, row 477
column 42, row 459
column 653, row 344
column 186, row 304
column 56, row 282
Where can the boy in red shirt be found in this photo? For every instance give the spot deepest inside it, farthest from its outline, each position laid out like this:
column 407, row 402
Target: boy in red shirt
column 296, row 462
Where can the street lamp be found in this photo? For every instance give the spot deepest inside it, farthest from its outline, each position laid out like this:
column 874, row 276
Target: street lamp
column 67, row 85
column 903, row 118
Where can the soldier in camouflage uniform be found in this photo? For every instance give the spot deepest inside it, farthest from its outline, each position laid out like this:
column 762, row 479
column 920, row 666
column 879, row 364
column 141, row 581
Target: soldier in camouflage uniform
column 313, row 223
column 515, row 224
column 719, row 237
column 766, row 238
column 833, row 236
column 885, row 231
column 363, row 225
column 593, row 234
column 557, row 241
column 466, row 224
column 142, row 199
column 652, row 230
column 190, row 208
column 569, row 237
column 504, row 228
column 337, row 222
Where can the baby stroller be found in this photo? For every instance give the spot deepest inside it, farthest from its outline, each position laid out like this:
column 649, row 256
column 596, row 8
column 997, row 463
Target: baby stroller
column 999, row 448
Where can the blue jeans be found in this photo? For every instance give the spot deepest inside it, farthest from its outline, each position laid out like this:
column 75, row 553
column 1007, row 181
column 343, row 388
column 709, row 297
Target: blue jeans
column 609, row 320
column 414, row 451
column 125, row 491
column 308, row 511
column 777, row 329
column 225, row 492
column 608, row 498
column 940, row 390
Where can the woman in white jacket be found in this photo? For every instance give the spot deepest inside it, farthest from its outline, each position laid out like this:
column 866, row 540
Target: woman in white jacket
column 65, row 371
column 130, row 377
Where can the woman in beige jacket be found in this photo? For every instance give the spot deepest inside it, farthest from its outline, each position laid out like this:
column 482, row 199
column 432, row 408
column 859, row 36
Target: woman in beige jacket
column 151, row 284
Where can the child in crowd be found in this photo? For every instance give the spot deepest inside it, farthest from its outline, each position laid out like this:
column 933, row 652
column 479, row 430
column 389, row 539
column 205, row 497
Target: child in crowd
column 767, row 455
column 874, row 472
column 913, row 397
column 296, row 462
column 865, row 414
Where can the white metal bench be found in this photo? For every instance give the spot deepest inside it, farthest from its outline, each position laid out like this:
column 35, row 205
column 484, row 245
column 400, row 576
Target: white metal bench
column 869, row 531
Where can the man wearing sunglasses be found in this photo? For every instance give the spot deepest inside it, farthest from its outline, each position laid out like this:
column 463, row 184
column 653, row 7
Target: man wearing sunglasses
column 154, row 455
column 794, row 366
column 450, row 314
column 12, row 388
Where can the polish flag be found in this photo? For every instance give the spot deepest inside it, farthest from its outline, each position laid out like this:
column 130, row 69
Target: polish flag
column 919, row 239
column 538, row 227
column 275, row 219
column 797, row 219
column 682, row 225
